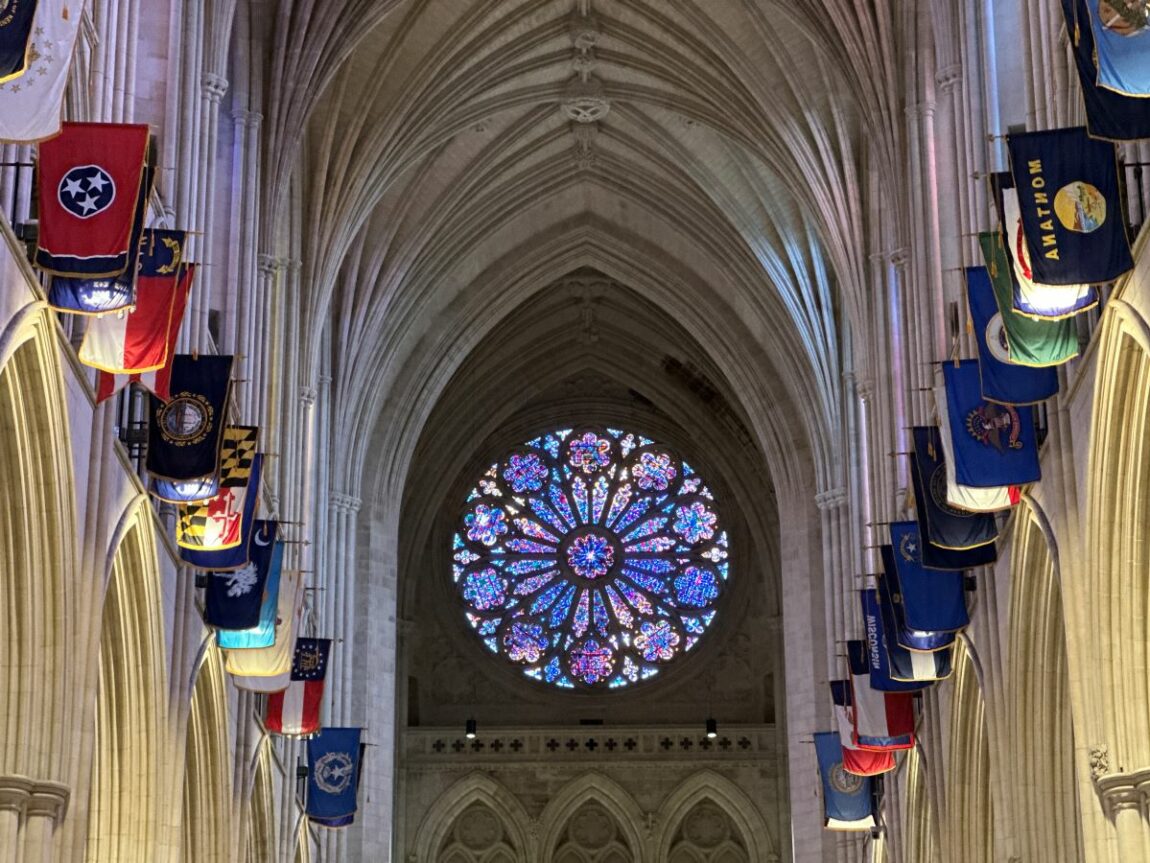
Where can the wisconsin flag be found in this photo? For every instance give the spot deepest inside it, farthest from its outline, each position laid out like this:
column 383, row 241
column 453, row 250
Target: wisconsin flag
column 136, row 340
column 1070, row 204
column 16, row 46
column 883, row 720
column 333, row 758
column 860, row 762
column 244, row 598
column 940, row 523
column 157, row 382
column 186, row 432
column 848, row 800
column 218, row 523
column 1035, row 342
column 90, row 176
column 994, row 445
column 295, row 711
column 1121, row 30
column 1002, row 379
column 877, row 656
column 907, row 664
column 30, row 104
column 1109, row 114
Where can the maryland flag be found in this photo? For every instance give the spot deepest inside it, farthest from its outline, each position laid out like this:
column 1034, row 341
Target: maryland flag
column 218, row 522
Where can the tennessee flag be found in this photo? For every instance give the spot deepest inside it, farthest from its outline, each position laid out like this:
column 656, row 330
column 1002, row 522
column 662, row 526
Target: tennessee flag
column 295, row 711
column 90, row 177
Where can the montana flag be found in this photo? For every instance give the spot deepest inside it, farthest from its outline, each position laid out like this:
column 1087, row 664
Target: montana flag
column 237, row 453
column 905, row 635
column 934, row 601
column 295, row 711
column 993, row 444
column 1070, row 205
column 218, row 523
column 860, row 762
column 235, row 599
column 16, row 45
column 157, row 382
column 907, row 664
column 90, row 177
column 848, row 800
column 186, row 432
column 877, row 657
column 272, row 603
column 30, row 105
column 1002, row 380
column 333, row 758
column 268, row 669
column 988, row 499
column 1121, row 30
column 940, row 523
column 1109, row 114
column 136, row 340
column 883, row 720
column 1030, row 341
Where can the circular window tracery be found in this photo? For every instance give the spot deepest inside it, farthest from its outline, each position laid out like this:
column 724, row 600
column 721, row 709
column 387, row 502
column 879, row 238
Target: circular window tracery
column 592, row 557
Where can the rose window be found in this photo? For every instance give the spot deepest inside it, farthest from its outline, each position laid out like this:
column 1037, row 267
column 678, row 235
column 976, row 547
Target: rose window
column 590, row 558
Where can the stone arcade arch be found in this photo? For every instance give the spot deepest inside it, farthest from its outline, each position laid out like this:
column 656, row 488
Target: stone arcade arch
column 572, row 826
column 435, row 836
column 968, row 826
column 920, row 830
column 749, row 831
column 261, row 832
column 207, row 816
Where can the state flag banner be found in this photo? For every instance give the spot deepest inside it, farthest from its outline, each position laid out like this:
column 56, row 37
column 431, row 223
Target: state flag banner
column 333, row 759
column 31, row 103
column 940, row 523
column 877, row 654
column 268, row 669
column 994, row 445
column 237, row 453
column 905, row 635
column 883, row 720
column 907, row 664
column 848, row 799
column 1070, row 205
column 1121, row 30
column 102, row 295
column 982, row 499
column 16, row 43
column 272, row 601
column 238, row 555
column 1109, row 114
column 90, row 177
column 933, row 601
column 1035, row 342
column 235, row 599
column 186, row 432
column 295, row 711
column 860, row 762
column 1002, row 380
column 136, row 340
column 157, row 382
column 218, row 523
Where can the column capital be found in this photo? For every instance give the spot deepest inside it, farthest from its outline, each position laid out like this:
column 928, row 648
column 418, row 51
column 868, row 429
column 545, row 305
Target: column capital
column 947, row 77
column 899, row 257
column 307, row 395
column 344, row 502
column 49, row 800
column 832, row 498
column 214, row 86
column 15, row 791
column 250, row 119
column 268, row 264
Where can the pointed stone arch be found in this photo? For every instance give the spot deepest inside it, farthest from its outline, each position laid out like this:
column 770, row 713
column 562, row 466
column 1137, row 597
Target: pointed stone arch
column 261, row 832
column 707, row 785
column 920, row 830
column 207, row 816
column 596, row 788
column 481, row 789
column 969, row 823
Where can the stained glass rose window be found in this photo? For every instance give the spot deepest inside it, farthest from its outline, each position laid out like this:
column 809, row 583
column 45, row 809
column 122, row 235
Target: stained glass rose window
column 591, row 557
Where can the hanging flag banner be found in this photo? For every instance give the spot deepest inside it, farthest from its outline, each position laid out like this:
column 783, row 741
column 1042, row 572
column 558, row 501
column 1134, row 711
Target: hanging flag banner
column 237, row 450
column 930, row 600
column 136, row 340
column 16, row 45
column 268, row 669
column 905, row 635
column 238, row 555
column 907, row 664
column 157, row 382
column 30, row 105
column 936, row 557
column 1071, row 207
column 295, row 711
column 186, row 432
column 1035, row 342
column 1002, row 381
column 848, row 801
column 245, row 599
column 218, row 523
column 860, row 762
column 333, row 773
column 877, row 658
column 994, row 444
column 342, row 820
column 90, row 177
column 1121, row 30
column 1109, row 114
column 942, row 524
column 883, row 720
column 988, row 499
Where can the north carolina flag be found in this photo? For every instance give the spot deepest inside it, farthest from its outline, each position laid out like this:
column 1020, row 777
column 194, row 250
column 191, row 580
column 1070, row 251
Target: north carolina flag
column 848, row 799
column 295, row 711
column 30, row 104
column 883, row 720
column 159, row 381
column 90, row 176
column 861, row 762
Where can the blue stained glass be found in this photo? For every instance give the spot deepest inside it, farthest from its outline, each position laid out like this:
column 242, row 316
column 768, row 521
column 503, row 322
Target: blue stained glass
column 591, row 559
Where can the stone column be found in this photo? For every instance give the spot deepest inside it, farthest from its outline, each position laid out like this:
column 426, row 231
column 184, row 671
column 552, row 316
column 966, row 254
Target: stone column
column 45, row 809
column 15, row 792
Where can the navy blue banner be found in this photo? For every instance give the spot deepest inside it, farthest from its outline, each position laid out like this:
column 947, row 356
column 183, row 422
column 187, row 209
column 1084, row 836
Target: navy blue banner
column 237, row 556
column 930, row 600
column 333, row 758
column 233, row 600
column 848, row 802
column 943, row 525
column 185, row 433
column 906, row 664
column 1068, row 192
column 1109, row 114
column 877, row 656
column 15, row 38
column 993, row 444
column 262, row 633
column 1002, row 381
column 906, row 636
